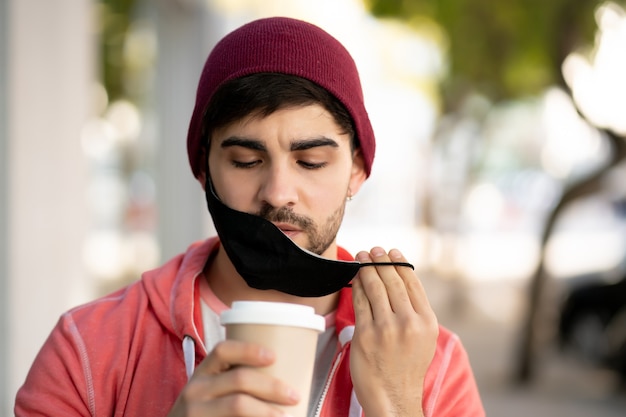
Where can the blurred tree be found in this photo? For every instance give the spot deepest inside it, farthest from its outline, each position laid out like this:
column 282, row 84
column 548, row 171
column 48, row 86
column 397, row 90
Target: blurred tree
column 115, row 17
column 503, row 49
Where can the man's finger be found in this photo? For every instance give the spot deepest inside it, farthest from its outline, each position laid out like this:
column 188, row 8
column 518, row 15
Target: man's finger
column 231, row 353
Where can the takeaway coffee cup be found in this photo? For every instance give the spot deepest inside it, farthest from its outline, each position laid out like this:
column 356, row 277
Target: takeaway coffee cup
column 290, row 330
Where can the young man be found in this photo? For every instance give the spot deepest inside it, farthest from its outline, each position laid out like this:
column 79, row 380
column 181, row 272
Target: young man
column 279, row 139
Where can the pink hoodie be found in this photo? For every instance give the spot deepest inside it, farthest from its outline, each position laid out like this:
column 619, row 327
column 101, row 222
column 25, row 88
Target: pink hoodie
column 129, row 353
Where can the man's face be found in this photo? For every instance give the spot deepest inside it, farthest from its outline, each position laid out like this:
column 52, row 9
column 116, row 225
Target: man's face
column 294, row 167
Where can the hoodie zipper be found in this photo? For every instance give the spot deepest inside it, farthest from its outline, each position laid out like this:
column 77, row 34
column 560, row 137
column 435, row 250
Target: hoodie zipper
column 331, row 374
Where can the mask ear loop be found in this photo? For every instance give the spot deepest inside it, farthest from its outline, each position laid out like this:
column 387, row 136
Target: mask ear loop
column 207, row 177
column 383, row 264
column 387, row 264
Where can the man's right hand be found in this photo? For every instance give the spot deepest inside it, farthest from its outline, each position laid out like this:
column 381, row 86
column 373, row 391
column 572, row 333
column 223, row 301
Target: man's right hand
column 227, row 383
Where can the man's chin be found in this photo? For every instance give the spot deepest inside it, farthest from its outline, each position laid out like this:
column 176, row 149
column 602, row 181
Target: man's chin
column 301, row 240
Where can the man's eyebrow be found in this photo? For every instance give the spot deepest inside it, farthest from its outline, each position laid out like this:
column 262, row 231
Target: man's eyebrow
column 303, row 145
column 244, row 143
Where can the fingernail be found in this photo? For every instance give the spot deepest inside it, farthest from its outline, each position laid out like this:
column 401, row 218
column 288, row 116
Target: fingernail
column 395, row 254
column 378, row 251
column 362, row 257
column 265, row 354
column 293, row 395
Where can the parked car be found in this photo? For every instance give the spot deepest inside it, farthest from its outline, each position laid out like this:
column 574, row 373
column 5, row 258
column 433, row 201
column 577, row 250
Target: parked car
column 592, row 321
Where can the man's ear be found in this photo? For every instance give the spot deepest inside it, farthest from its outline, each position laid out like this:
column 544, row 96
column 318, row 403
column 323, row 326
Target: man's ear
column 358, row 175
column 203, row 174
column 202, row 179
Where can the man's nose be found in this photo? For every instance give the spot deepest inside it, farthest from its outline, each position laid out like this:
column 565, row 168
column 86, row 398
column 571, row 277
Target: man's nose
column 278, row 187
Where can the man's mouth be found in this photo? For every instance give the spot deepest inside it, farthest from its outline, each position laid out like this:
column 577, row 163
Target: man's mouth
column 288, row 229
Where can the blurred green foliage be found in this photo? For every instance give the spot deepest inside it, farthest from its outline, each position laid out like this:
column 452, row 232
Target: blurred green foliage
column 114, row 17
column 503, row 48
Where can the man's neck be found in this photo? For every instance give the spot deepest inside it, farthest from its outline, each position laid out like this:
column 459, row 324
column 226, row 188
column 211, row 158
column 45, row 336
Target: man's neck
column 229, row 286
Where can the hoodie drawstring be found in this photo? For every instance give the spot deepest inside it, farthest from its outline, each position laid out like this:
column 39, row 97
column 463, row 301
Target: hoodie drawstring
column 189, row 353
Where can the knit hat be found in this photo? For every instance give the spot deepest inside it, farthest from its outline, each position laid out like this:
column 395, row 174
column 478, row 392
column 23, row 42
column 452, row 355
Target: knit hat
column 288, row 46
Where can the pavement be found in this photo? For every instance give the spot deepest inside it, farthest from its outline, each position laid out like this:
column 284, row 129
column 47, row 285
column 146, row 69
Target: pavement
column 487, row 317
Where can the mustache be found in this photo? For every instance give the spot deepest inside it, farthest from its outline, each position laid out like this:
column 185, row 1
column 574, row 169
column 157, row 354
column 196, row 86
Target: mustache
column 285, row 215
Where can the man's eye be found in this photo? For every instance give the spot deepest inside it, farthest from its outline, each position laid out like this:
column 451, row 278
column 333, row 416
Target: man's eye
column 311, row 165
column 240, row 164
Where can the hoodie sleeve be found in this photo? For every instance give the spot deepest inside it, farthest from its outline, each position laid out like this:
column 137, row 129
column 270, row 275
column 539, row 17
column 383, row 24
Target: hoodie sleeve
column 59, row 382
column 453, row 389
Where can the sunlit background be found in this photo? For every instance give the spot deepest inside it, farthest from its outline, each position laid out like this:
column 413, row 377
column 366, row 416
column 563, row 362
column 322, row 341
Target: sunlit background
column 499, row 171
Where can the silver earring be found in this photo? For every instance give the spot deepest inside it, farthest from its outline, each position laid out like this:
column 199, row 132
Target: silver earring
column 349, row 195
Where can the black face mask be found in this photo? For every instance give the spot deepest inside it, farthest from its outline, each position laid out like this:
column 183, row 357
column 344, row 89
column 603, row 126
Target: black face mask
column 269, row 260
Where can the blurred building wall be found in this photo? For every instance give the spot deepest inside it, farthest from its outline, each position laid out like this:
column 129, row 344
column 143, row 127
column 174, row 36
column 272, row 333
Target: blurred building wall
column 46, row 86
column 47, row 73
column 4, row 400
column 186, row 32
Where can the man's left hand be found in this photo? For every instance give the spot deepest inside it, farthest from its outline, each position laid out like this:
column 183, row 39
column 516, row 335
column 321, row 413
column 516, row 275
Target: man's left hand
column 394, row 339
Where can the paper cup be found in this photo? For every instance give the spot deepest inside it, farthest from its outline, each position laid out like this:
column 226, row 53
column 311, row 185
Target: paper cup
column 290, row 331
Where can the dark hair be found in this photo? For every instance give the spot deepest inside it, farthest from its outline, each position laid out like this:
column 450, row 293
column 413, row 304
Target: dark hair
column 265, row 93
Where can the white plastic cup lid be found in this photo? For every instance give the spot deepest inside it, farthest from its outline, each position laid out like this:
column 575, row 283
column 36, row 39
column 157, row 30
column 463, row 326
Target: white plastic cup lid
column 265, row 312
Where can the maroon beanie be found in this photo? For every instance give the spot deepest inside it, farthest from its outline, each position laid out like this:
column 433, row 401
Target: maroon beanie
column 287, row 46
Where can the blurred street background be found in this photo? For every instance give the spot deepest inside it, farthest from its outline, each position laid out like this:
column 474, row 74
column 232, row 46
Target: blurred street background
column 500, row 170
